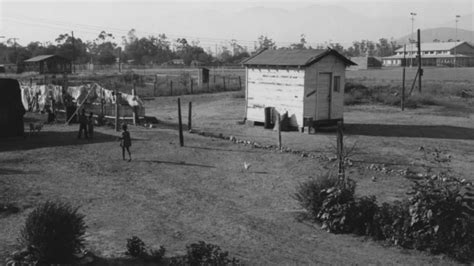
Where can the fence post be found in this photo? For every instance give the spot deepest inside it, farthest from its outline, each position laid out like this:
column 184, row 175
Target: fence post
column 171, row 88
column 240, row 84
column 190, row 115
column 116, row 110
column 340, row 150
column 134, row 107
column 181, row 140
column 223, row 79
column 279, row 131
column 191, row 80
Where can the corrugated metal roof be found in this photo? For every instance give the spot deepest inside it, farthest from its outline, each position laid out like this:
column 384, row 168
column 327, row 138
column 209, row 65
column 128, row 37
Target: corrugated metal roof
column 301, row 57
column 39, row 58
column 425, row 56
column 432, row 46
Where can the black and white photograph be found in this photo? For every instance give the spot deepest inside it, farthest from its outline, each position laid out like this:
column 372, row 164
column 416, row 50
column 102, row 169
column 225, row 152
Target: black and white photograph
column 236, row 132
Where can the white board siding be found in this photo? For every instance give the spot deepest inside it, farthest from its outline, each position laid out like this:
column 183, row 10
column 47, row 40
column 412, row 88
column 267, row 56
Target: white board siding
column 279, row 88
column 329, row 64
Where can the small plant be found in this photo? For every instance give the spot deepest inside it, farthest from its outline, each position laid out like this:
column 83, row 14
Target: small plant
column 309, row 194
column 54, row 231
column 135, row 247
column 202, row 253
column 441, row 219
column 337, row 208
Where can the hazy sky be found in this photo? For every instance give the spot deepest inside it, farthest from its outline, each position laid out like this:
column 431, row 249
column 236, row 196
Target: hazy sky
column 210, row 22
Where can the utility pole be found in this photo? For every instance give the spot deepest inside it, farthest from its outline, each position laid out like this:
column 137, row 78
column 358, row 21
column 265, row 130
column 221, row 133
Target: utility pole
column 120, row 59
column 420, row 70
column 402, row 102
column 413, row 14
column 16, row 51
column 73, row 52
column 456, row 41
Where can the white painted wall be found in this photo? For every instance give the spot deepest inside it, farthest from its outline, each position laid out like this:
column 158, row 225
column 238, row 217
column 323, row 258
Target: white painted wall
column 279, row 88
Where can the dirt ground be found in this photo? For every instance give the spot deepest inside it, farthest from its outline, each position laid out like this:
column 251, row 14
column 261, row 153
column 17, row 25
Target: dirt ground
column 172, row 196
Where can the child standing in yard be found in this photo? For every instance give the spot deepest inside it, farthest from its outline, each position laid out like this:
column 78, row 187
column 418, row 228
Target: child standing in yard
column 90, row 125
column 83, row 125
column 125, row 142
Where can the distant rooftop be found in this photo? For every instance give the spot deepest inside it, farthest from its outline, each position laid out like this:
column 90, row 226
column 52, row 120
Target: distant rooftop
column 302, row 57
column 42, row 57
column 431, row 46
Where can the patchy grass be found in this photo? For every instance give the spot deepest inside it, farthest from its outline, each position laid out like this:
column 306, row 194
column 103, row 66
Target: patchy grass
column 453, row 99
column 177, row 195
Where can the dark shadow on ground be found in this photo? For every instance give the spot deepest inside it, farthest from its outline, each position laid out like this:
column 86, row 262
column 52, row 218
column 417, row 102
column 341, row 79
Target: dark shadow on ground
column 178, row 163
column 51, row 139
column 410, row 131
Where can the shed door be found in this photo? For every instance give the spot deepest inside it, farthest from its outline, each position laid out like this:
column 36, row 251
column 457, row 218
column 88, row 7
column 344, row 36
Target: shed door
column 324, row 99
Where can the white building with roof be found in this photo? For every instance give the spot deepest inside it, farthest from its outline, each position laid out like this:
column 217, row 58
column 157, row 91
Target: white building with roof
column 459, row 54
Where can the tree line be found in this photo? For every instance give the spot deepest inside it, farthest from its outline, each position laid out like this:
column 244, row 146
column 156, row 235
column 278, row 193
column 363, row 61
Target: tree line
column 155, row 50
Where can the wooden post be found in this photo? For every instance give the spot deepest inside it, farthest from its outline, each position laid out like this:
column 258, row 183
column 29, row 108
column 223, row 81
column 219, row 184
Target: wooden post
column 191, row 81
column 340, row 150
column 181, row 141
column 190, row 115
column 116, row 111
column 240, row 84
column 279, row 131
column 420, row 70
column 134, row 93
column 223, row 79
column 171, row 88
column 402, row 102
column 155, row 85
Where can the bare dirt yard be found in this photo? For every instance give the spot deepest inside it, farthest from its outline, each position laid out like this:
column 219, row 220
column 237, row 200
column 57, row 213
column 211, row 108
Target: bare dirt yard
column 172, row 196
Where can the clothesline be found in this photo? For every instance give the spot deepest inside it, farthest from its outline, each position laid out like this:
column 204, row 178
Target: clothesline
column 38, row 97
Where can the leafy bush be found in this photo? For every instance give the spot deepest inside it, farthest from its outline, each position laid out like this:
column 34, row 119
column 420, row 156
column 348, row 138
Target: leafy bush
column 391, row 222
column 337, row 206
column 309, row 194
column 202, row 253
column 135, row 247
column 54, row 231
column 441, row 220
column 361, row 216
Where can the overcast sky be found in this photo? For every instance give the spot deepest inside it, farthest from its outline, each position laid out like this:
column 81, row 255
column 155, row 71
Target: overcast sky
column 218, row 22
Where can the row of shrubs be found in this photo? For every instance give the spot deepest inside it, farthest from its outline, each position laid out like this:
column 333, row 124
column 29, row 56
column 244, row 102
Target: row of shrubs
column 54, row 234
column 200, row 253
column 438, row 217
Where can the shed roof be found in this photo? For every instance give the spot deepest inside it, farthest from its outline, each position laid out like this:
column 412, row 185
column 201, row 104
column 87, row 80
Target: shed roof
column 42, row 57
column 299, row 57
column 432, row 46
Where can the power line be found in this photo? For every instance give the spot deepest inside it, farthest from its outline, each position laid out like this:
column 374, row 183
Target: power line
column 95, row 29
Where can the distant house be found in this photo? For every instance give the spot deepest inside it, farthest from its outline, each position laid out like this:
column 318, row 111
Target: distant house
column 366, row 62
column 8, row 68
column 306, row 84
column 174, row 62
column 196, row 63
column 459, row 54
column 48, row 64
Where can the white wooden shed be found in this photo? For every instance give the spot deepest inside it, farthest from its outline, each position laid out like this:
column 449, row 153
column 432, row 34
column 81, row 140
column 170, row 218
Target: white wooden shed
column 308, row 84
